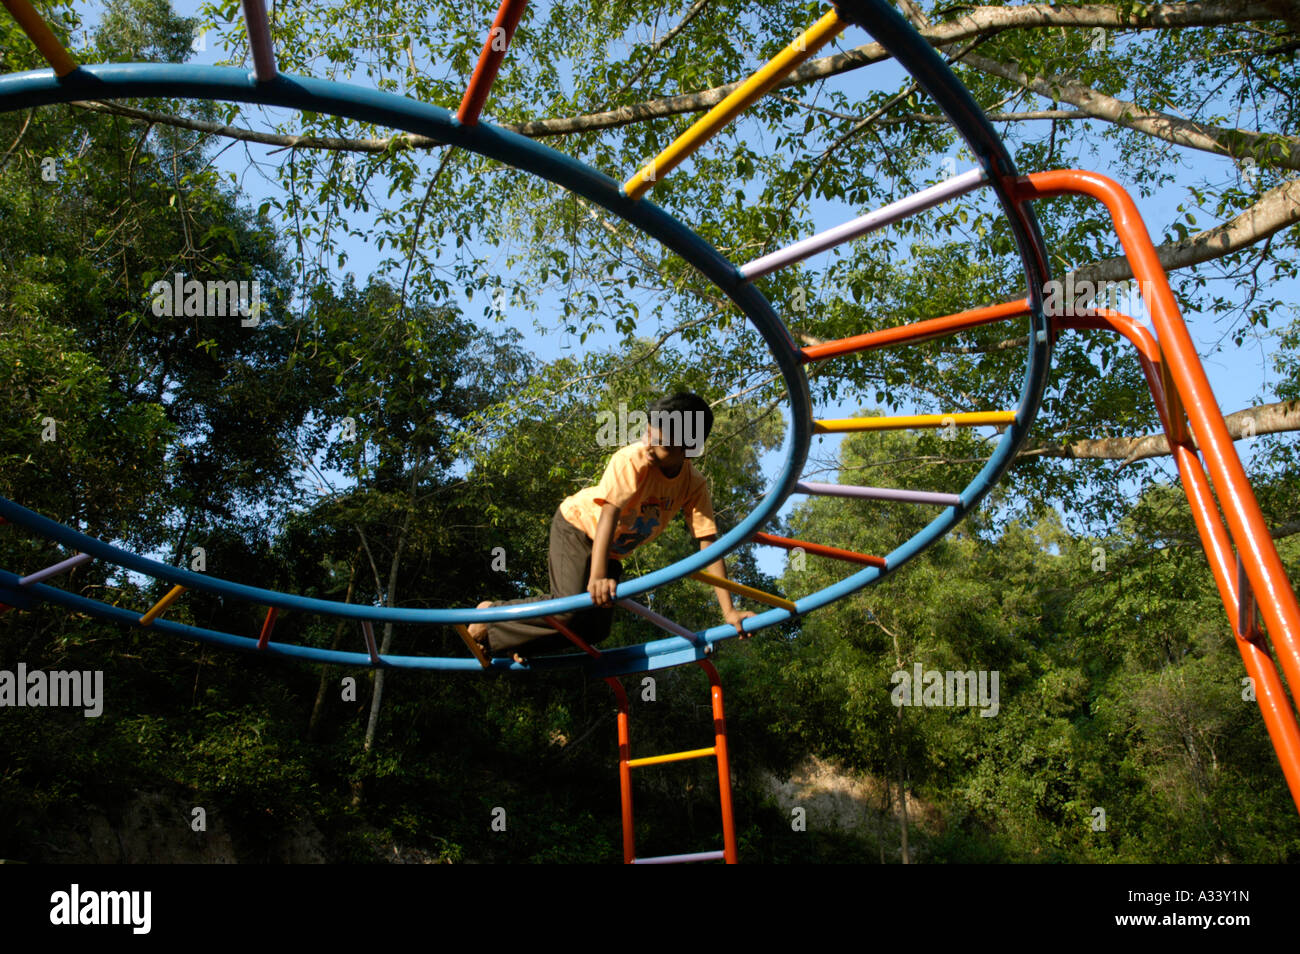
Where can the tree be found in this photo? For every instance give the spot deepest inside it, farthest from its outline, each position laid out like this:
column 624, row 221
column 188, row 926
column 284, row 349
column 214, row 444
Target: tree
column 1157, row 83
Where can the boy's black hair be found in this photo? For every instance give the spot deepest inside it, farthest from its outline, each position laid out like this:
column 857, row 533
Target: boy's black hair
column 667, row 413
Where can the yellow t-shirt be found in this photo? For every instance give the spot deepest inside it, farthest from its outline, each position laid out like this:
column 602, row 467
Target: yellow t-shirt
column 646, row 499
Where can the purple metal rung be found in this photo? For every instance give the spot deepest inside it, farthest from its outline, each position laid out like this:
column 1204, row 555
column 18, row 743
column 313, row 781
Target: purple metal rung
column 661, row 621
column 885, row 215
column 878, row 493
column 259, row 40
column 680, row 859
column 368, row 630
column 63, row 567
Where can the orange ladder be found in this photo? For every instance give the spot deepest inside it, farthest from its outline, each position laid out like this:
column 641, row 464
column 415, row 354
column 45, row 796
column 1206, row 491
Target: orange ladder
column 626, row 763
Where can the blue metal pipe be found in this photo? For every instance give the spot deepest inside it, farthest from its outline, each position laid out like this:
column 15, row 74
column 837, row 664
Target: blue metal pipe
column 217, row 83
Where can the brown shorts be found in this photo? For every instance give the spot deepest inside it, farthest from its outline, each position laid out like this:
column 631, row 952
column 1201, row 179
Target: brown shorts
column 570, row 565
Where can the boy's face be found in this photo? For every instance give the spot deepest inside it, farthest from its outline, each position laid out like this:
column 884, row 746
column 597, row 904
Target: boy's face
column 667, row 459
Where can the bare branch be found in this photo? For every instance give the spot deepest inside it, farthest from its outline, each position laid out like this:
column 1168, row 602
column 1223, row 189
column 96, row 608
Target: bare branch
column 22, row 131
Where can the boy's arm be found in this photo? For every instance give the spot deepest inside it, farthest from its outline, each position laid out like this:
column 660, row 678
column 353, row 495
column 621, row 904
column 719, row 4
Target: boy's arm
column 599, row 585
column 729, row 612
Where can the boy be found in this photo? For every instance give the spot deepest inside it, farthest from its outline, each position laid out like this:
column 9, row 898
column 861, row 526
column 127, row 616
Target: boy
column 644, row 485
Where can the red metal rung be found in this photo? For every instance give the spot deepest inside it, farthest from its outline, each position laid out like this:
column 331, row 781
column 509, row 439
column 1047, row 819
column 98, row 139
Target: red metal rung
column 820, row 549
column 918, row 331
column 489, row 60
column 571, row 636
column 268, row 624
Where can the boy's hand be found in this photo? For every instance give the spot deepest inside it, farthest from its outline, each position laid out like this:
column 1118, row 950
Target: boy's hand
column 602, row 590
column 735, row 616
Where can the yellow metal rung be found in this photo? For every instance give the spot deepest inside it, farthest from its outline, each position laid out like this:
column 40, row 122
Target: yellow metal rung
column 41, row 36
column 740, row 589
column 671, row 757
column 965, row 419
column 472, row 645
column 740, row 99
column 161, row 607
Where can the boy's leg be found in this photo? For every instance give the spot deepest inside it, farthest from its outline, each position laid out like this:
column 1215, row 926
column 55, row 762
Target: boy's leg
column 593, row 624
column 570, row 565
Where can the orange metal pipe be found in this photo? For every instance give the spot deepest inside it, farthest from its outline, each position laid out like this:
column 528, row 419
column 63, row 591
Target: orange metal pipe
column 1274, row 706
column 729, row 851
column 1279, row 719
column 489, row 60
column 624, row 741
column 624, row 770
column 917, row 330
column 820, row 549
column 1246, row 524
column 268, row 624
column 39, row 32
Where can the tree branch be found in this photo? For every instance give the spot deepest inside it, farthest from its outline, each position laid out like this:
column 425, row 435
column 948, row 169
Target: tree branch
column 981, row 21
column 1278, row 208
column 1249, row 422
column 1279, row 149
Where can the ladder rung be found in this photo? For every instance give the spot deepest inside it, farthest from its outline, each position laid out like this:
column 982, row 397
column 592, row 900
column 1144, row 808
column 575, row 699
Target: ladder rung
column 42, row 36
column 472, row 644
column 268, row 625
column 740, row 99
column 61, row 567
column 821, row 549
column 161, row 606
column 662, row 622
column 887, row 215
column 906, row 422
column 672, row 757
column 259, row 40
column 917, row 330
column 740, row 589
column 368, row 631
column 680, row 859
column 878, row 493
column 489, row 60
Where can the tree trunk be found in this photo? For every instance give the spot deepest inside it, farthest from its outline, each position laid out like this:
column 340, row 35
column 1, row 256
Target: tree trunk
column 902, row 792
column 327, row 671
column 902, row 775
column 377, row 695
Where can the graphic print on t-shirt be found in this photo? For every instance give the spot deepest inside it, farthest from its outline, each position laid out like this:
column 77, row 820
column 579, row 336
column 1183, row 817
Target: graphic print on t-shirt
column 643, row 526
